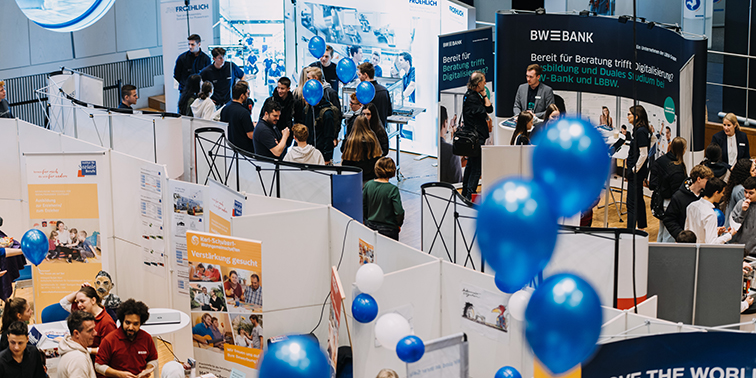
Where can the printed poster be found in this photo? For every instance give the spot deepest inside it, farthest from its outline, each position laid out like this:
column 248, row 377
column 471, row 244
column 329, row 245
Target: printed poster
column 151, row 182
column 224, row 204
column 334, row 318
column 188, row 215
column 367, row 253
column 64, row 194
column 484, row 312
column 225, row 285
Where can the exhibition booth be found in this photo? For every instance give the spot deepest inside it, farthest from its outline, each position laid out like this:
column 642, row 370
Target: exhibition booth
column 175, row 213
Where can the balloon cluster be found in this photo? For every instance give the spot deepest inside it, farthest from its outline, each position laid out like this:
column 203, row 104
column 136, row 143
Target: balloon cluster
column 517, row 231
column 392, row 330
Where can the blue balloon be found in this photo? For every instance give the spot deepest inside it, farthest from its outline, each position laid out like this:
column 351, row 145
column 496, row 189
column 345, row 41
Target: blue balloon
column 507, row 372
column 316, row 46
column 563, row 322
column 312, row 92
column 364, row 308
column 410, row 349
column 572, row 162
column 720, row 217
column 345, row 70
column 365, row 92
column 295, row 357
column 35, row 246
column 516, row 231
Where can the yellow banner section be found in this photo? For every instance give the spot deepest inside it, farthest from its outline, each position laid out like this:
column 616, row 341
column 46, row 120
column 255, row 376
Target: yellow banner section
column 53, row 281
column 243, row 356
column 540, row 371
column 72, row 201
column 218, row 225
column 224, row 250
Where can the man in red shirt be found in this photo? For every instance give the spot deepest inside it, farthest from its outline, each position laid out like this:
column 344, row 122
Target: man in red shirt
column 128, row 352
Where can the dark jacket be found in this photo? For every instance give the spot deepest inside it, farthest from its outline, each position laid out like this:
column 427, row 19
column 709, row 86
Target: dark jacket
column 719, row 168
column 382, row 102
column 223, row 80
column 187, row 65
column 383, row 140
column 320, row 136
column 675, row 214
column 367, row 165
column 287, row 109
column 741, row 139
column 666, row 175
column 475, row 113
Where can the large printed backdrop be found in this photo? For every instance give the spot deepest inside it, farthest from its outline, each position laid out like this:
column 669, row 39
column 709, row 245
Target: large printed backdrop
column 594, row 55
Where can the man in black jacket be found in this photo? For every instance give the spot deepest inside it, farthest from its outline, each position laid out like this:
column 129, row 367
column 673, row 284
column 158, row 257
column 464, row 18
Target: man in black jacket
column 328, row 67
column 475, row 109
column 382, row 99
column 191, row 62
column 675, row 214
column 284, row 98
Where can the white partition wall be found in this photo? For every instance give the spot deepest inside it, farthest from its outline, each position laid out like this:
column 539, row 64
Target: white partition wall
column 413, row 293
column 504, row 161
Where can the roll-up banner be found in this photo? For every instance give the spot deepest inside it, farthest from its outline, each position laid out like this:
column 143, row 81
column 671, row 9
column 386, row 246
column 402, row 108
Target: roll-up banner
column 175, row 30
column 224, row 204
column 225, row 284
column 67, row 194
column 459, row 55
column 588, row 62
column 678, row 355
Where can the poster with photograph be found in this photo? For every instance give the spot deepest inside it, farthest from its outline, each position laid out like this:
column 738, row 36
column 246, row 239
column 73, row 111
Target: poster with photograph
column 460, row 54
column 484, row 312
column 151, row 183
column 334, row 318
column 399, row 38
column 64, row 195
column 367, row 253
column 225, row 285
column 224, row 204
column 188, row 215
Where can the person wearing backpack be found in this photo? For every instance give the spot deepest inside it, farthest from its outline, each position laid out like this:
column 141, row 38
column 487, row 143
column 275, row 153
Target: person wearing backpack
column 323, row 120
column 668, row 173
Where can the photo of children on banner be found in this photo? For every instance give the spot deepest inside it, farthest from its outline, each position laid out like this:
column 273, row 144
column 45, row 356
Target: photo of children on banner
column 204, row 272
column 207, row 296
column 71, row 244
column 211, row 331
column 243, row 289
column 367, row 253
column 248, row 332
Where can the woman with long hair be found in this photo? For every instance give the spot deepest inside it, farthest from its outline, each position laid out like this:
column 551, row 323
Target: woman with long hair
column 734, row 191
column 189, row 94
column 371, row 112
column 605, row 118
column 203, row 107
column 637, row 167
column 87, row 300
column 668, row 173
column 299, row 101
column 520, row 135
column 362, row 149
column 16, row 309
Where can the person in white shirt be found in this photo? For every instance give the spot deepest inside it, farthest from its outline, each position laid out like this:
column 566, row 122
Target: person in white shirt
column 203, row 299
column 701, row 218
column 203, row 107
column 242, row 339
column 75, row 361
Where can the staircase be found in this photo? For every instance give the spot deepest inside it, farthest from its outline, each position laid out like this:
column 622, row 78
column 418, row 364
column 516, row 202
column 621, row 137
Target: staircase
column 155, row 103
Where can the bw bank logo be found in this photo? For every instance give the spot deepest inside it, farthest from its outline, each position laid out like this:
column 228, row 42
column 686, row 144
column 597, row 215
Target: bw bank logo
column 692, row 5
column 195, row 240
column 562, row 35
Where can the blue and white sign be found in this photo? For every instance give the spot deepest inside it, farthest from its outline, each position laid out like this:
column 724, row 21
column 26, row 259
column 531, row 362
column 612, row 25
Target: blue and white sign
column 64, row 15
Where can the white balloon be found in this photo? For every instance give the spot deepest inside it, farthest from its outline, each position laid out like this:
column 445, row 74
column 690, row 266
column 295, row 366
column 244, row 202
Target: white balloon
column 390, row 328
column 369, row 278
column 518, row 302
